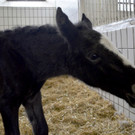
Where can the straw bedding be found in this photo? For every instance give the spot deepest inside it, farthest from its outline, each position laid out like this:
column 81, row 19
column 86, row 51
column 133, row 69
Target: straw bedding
column 71, row 108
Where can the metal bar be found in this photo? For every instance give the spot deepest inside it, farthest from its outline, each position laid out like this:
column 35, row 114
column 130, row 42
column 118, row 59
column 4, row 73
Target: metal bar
column 108, row 11
column 133, row 9
column 126, row 14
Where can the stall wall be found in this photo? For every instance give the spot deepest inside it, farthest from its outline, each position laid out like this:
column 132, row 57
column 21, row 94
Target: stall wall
column 124, row 40
column 11, row 17
column 106, row 11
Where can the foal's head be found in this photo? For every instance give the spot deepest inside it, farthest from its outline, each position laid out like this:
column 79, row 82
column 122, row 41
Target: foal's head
column 95, row 60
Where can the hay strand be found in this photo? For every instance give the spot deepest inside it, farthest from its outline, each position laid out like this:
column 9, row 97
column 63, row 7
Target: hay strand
column 71, row 108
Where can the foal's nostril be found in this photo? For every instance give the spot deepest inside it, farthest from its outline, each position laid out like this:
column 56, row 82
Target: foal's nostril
column 133, row 88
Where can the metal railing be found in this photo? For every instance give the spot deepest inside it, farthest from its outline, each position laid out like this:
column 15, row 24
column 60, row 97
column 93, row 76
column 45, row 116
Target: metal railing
column 107, row 11
column 102, row 12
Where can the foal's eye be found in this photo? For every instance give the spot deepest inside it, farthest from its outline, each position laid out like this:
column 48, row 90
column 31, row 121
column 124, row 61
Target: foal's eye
column 94, row 56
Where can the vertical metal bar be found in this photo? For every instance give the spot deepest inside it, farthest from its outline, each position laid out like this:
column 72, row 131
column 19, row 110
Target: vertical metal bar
column 126, row 9
column 114, row 10
column 104, row 7
column 114, row 38
column 110, row 12
column 110, row 8
column 91, row 11
column 133, row 8
column 82, row 4
column 8, row 17
column 134, row 42
column 3, row 19
column 120, row 10
column 98, row 9
column 103, row 11
column 129, row 8
column 94, row 14
column 108, row 5
column 123, row 10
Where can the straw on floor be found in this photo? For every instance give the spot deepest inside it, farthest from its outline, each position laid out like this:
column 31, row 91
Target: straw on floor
column 71, row 108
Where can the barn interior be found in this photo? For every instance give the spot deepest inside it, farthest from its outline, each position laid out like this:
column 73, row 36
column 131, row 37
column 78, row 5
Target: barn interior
column 70, row 106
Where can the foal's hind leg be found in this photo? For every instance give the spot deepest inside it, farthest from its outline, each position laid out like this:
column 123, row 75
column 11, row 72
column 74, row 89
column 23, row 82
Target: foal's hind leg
column 35, row 113
column 10, row 120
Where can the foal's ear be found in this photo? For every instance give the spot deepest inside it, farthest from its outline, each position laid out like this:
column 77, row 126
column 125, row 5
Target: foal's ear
column 86, row 21
column 65, row 25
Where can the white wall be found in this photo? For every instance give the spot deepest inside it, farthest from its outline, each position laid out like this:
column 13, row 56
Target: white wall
column 19, row 16
column 70, row 7
column 14, row 14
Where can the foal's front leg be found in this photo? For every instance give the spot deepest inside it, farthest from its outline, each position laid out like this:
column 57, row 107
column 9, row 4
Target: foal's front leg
column 10, row 120
column 35, row 113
